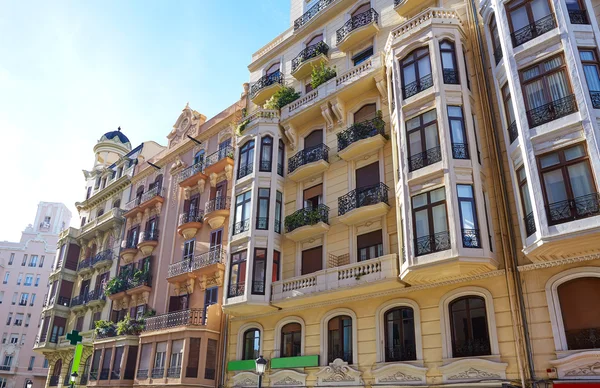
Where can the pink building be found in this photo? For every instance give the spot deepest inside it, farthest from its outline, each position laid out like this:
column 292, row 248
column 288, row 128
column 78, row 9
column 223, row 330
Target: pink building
column 25, row 267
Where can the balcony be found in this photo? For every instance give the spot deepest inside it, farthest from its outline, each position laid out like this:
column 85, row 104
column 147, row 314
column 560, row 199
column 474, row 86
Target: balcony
column 202, row 264
column 573, row 209
column 85, row 266
column 529, row 222
column 424, row 159
column 219, row 161
column 471, row 239
column 451, row 77
column 149, row 199
column 357, row 29
column 308, row 163
column 191, row 175
column 129, row 250
column 336, row 283
column 265, row 87
column 103, row 223
column 306, row 223
column 527, row 33
column 552, row 111
column 245, row 170
column 433, row 243
column 158, row 373
column 241, row 227
column 312, row 56
column 417, row 86
column 217, row 211
column 124, row 285
column 191, row 317
column 312, row 12
column 91, row 299
column 103, row 259
column 148, row 241
column 578, row 16
column 190, row 223
column 361, row 139
column 595, row 97
column 363, row 203
column 460, row 151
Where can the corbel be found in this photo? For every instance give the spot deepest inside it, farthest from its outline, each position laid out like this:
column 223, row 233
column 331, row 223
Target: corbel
column 213, row 179
column 327, row 115
column 381, row 84
column 201, row 184
column 337, row 105
column 290, row 133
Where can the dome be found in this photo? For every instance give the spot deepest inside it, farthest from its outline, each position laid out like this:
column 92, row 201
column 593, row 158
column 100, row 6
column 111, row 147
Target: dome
column 111, row 135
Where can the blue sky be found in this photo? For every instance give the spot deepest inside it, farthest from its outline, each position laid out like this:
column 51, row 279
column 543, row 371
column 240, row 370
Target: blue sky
column 73, row 70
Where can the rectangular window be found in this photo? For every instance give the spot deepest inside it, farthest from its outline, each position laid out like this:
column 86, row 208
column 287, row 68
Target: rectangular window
column 262, row 219
column 423, row 140
column 19, row 279
column 6, row 277
column 27, row 319
column 19, row 319
column 312, row 260
column 460, row 146
column 529, row 19
column 449, row 68
column 14, row 338
column 211, row 360
column 79, row 324
column 24, row 299
column 12, row 258
column 9, row 319
column 4, row 335
column 430, row 222
column 276, row 266
column 31, row 363
column 28, row 280
column 24, row 261
column 370, row 245
column 22, row 339
column 116, row 366
column 42, row 261
column 37, row 280
column 278, row 211
column 547, row 91
column 33, row 261
column 176, row 358
column 591, row 69
column 529, row 219
column 266, row 154
column 466, row 69
column 237, row 274
column 416, row 72
column 577, row 13
column 468, row 217
column 242, row 213
column 95, row 364
column 259, row 273
column 487, row 220
column 14, row 299
column 362, row 56
column 567, row 184
column 188, row 249
column 193, row 359
column 509, row 114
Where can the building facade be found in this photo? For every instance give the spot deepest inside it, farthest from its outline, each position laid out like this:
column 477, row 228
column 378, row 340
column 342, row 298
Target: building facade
column 26, row 266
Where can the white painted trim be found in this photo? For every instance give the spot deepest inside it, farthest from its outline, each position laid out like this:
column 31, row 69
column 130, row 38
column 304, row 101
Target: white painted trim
column 558, row 327
column 380, row 325
column 445, row 317
column 240, row 337
column 280, row 325
column 324, row 335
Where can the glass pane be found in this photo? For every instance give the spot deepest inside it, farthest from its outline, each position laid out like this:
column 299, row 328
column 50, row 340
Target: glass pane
column 454, row 111
column 424, row 67
column 592, row 77
column 419, row 200
column 413, row 123
column 549, row 160
column 540, row 8
column 465, row 191
column 468, row 215
column 447, row 60
column 555, row 186
column 531, row 73
column 414, row 140
column 534, row 94
column 409, row 74
column 521, row 174
column 438, row 195
column 510, row 111
column 526, row 199
column 439, row 219
column 559, row 87
column 421, row 223
column 583, row 55
column 581, row 179
column 519, row 18
column 574, row 152
column 429, row 116
column 431, row 137
column 572, row 5
column 457, row 132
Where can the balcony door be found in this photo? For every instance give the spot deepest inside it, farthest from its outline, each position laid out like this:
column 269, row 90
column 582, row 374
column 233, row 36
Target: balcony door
column 224, row 147
column 216, row 237
column 314, row 139
column 367, row 112
column 313, row 197
column 525, row 13
column 85, row 288
column 218, row 195
column 191, row 207
column 312, row 260
column 368, row 175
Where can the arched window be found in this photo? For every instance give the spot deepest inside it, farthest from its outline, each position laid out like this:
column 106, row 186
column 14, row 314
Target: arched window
column 400, row 335
column 365, row 113
column 449, row 68
column 199, row 157
column 274, row 68
column 116, row 204
column 67, row 379
column 266, row 153
column 291, row 340
column 57, row 368
column 339, row 338
column 416, row 72
column 469, row 327
column 280, row 157
column 246, row 162
column 86, row 371
column 581, row 323
column 314, row 40
column 251, row 349
column 362, row 9
column 157, row 183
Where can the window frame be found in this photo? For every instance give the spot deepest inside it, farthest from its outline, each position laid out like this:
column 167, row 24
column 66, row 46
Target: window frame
column 264, row 261
column 429, row 207
column 452, row 51
column 585, row 62
column 421, row 129
column 402, row 336
column 473, row 204
column 243, row 261
column 341, row 318
column 462, row 121
column 245, row 343
column 543, row 77
column 295, row 335
column 280, row 158
column 516, row 4
column 413, row 59
column 244, row 158
column 262, row 199
column 266, row 143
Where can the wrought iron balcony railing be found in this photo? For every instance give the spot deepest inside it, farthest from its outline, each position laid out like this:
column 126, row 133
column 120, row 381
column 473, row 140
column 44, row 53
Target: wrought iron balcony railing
column 451, row 77
column 539, row 27
column 236, row 290
column 174, row 372
column 194, row 215
column 128, row 283
column 513, row 134
column 85, row 263
column 215, row 255
column 470, row 238
column 106, row 255
column 433, row 243
column 397, row 353
column 578, row 16
column 363, row 196
column 357, row 21
column 311, row 13
column 308, row 155
column 245, row 169
column 219, row 203
column 158, row 372
column 190, row 317
column 530, row 224
column 142, row 374
column 222, row 153
column 266, row 81
column 579, row 339
column 423, row 159
column 307, row 216
column 154, row 192
column 471, row 348
column 258, row 287
column 417, row 86
column 308, row 53
column 595, row 96
column 572, row 209
column 498, row 54
column 360, row 131
column 190, row 171
column 460, row 150
column 86, row 298
column 262, row 223
column 241, row 227
column 150, row 235
column 552, row 111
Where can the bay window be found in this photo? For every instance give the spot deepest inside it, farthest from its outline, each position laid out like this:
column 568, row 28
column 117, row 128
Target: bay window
column 468, row 217
column 266, row 153
column 577, row 12
column 416, row 72
column 526, row 202
column 246, row 162
column 509, row 113
column 529, row 19
column 242, row 213
column 423, row 140
column 430, row 222
column 280, row 157
column 237, row 274
column 262, row 218
column 259, row 272
column 591, row 66
column 278, row 211
column 449, row 67
column 460, row 146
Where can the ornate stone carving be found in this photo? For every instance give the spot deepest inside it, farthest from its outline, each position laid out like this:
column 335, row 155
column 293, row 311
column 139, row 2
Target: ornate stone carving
column 588, row 370
column 406, row 374
column 290, row 133
column 338, row 373
column 381, row 84
column 474, row 373
column 327, row 115
column 245, row 379
column 201, row 184
column 339, row 109
column 399, row 377
column 213, row 179
column 470, row 369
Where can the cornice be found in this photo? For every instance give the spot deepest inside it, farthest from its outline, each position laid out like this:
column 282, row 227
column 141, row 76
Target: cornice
column 556, row 263
column 104, row 194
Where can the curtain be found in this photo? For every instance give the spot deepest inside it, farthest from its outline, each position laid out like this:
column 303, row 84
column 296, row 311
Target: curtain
column 555, row 186
column 534, row 94
column 592, row 77
column 558, row 85
column 581, row 179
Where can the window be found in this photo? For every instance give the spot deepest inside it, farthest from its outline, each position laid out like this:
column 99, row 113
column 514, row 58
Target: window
column 188, row 249
column 242, row 213
column 495, row 40
column 312, row 260
column 430, row 222
column 274, row 68
column 362, row 56
column 468, row 217
column 4, row 335
column 259, row 273
column 14, row 338
column 291, row 340
column 416, row 72
column 370, row 245
column 577, row 13
column 449, row 68
column 251, row 346
column 423, row 141
column 24, row 299
column 28, row 317
column 9, row 319
column 509, row 113
column 529, row 19
column 526, row 202
column 246, row 163
column 199, row 157
column 28, row 280
column 19, row 279
column 262, row 219
column 1, row 296
column 37, row 280
column 31, row 363
column 22, row 339
column 591, row 66
column 266, row 153
column 12, row 258
column 280, row 157
column 6, row 277
column 32, row 300
column 276, row 266
column 469, row 328
column 400, row 335
column 278, row 211
column 339, row 339
column 567, row 185
column 132, row 237
column 211, row 360
column 19, row 319
column 460, row 146
column 33, row 261
column 15, row 296
column 237, row 274
column 3, row 382
column 24, row 261
column 547, row 91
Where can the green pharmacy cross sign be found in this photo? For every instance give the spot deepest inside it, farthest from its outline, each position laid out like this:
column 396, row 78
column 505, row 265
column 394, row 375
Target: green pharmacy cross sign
column 75, row 339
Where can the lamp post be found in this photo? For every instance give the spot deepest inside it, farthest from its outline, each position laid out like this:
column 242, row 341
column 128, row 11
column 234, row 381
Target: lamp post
column 73, row 378
column 28, row 384
column 261, row 366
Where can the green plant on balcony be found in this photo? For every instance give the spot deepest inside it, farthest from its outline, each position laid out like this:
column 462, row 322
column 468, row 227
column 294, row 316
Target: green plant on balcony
column 129, row 326
column 115, row 285
column 149, row 313
column 105, row 329
column 321, row 74
column 281, row 98
column 241, row 126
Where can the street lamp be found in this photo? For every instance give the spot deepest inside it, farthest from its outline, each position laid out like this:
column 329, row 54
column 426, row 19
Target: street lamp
column 261, row 366
column 28, row 384
column 73, row 378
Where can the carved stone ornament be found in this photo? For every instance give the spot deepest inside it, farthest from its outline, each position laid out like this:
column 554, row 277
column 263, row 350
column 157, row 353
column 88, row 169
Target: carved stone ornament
column 287, row 378
column 474, row 373
column 201, row 184
column 327, row 115
column 581, row 366
column 338, row 373
column 473, row 369
column 245, row 379
column 399, row 374
column 228, row 172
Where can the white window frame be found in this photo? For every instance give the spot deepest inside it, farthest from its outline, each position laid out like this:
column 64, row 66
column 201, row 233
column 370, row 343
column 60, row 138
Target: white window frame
column 279, row 327
column 240, row 340
column 324, row 333
column 380, row 326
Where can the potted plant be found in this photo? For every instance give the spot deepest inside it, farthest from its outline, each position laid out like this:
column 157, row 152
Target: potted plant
column 321, row 74
column 281, row 98
column 105, row 329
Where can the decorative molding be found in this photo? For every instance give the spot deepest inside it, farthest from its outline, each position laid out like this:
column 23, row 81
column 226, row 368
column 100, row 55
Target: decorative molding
column 245, row 379
column 470, row 369
column 338, row 373
column 473, row 373
column 555, row 263
column 287, row 378
column 399, row 374
column 581, row 366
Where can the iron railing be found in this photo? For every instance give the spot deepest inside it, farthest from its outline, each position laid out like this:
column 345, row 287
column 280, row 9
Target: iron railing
column 310, row 52
column 530, row 224
column 158, row 372
column 471, row 348
column 360, row 131
column 130, row 283
column 345, row 355
column 150, row 235
column 403, row 352
column 262, row 223
column 258, row 287
column 363, row 196
column 451, row 77
column 311, row 13
column 578, row 339
column 433, row 243
column 106, row 255
column 552, row 111
column 222, row 153
column 219, row 203
column 280, row 169
column 241, row 227
column 174, row 372
column 470, row 238
column 215, row 255
column 423, row 159
column 578, row 16
column 498, row 54
column 539, row 27
column 265, row 166
column 85, row 263
column 572, row 209
column 142, row 374
column 190, row 171
column 190, row 317
column 308, row 155
column 236, row 290
column 356, row 22
column 194, row 215
column 90, row 296
column 266, row 81
column 244, row 170
column 417, row 86
column 595, row 97
column 306, row 216
column 460, row 150
column 513, row 134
